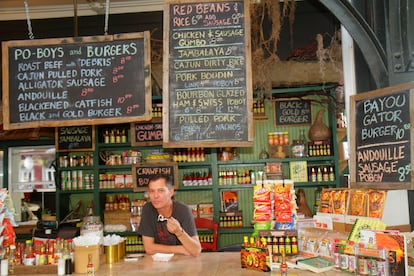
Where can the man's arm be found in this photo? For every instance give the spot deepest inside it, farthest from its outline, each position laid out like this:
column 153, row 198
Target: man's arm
column 151, row 247
column 190, row 245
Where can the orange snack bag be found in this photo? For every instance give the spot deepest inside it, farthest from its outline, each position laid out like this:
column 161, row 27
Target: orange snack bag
column 357, row 203
column 376, row 201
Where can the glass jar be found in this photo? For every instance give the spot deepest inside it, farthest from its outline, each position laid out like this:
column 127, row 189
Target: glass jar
column 298, row 147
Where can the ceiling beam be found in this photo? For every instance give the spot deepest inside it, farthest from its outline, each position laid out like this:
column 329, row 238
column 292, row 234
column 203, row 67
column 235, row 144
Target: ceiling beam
column 14, row 10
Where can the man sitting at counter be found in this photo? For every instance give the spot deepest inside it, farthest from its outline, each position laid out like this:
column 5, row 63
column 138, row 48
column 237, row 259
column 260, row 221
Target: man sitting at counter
column 167, row 226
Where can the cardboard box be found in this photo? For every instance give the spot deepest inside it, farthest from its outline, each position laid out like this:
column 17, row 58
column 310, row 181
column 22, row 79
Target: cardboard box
column 81, row 257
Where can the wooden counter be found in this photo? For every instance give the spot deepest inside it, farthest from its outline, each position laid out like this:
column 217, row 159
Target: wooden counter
column 218, row 263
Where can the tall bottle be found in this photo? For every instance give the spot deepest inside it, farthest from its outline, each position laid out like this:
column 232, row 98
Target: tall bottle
column 12, row 258
column 298, row 147
column 29, row 257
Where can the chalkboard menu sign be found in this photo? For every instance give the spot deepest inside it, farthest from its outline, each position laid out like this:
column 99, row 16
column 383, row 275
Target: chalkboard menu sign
column 75, row 138
column 207, row 76
column 146, row 133
column 76, row 81
column 381, row 138
column 143, row 172
column 292, row 112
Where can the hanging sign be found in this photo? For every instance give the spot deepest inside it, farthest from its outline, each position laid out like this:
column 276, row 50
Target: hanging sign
column 381, row 142
column 207, row 92
column 76, row 81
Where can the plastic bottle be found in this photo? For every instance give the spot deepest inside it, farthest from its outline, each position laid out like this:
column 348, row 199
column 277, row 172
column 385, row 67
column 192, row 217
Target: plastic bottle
column 29, row 258
column 12, row 258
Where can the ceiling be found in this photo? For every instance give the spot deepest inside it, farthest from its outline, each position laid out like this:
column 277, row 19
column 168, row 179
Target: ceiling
column 38, row 9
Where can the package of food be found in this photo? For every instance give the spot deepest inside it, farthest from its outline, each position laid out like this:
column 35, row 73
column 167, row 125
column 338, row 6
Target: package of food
column 326, row 201
column 357, row 202
column 376, row 201
column 340, row 200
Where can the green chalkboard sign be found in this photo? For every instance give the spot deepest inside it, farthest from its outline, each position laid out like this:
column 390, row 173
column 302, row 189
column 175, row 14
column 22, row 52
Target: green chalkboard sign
column 76, row 81
column 292, row 112
column 381, row 142
column 143, row 172
column 75, row 138
column 207, row 87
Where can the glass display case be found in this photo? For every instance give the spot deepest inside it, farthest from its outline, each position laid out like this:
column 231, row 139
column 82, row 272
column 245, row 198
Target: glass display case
column 31, row 179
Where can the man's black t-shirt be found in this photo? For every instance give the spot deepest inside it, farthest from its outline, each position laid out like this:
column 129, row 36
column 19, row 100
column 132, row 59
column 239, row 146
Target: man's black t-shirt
column 151, row 227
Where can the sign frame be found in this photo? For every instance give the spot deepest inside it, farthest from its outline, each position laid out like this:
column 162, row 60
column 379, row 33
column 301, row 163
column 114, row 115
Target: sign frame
column 173, row 166
column 205, row 136
column 64, row 47
column 276, row 116
column 408, row 173
column 59, row 147
column 134, row 141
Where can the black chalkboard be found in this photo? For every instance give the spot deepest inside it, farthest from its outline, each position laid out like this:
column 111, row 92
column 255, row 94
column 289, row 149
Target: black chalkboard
column 381, row 138
column 207, row 85
column 76, row 81
column 142, row 173
column 292, row 112
column 75, row 138
column 146, row 133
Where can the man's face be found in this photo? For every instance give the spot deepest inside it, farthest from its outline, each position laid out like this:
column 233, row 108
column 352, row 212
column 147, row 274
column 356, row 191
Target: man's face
column 159, row 194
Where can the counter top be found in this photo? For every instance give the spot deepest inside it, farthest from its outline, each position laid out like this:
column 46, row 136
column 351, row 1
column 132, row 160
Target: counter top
column 207, row 264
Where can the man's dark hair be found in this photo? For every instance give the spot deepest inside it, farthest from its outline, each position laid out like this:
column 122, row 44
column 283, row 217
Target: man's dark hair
column 168, row 180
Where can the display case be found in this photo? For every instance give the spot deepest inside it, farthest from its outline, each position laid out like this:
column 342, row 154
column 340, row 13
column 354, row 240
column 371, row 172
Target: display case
column 31, row 177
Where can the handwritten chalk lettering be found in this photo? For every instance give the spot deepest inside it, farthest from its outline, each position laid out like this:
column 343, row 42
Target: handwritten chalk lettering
column 144, row 127
column 30, row 66
column 384, row 116
column 201, row 119
column 192, row 42
column 153, row 170
column 181, row 95
column 294, row 119
column 381, row 131
column 189, row 35
column 228, row 127
column 207, row 8
column 56, row 52
column 109, row 112
column 95, row 62
column 45, row 84
column 149, row 135
column 187, row 64
column 229, row 33
column 93, row 82
column 236, row 101
column 377, row 167
column 390, row 154
column 183, row 103
column 33, row 106
column 181, row 22
column 93, row 103
column 182, row 9
column 234, row 93
column 28, row 76
column 218, row 62
column 73, row 114
column 404, row 172
column 198, row 53
column 64, row 74
column 208, row 102
column 217, row 22
column 57, row 64
column 75, row 139
column 185, row 77
column 369, row 178
column 216, row 75
column 73, row 131
column 224, row 118
column 30, row 116
column 223, row 83
column 42, row 95
column 112, row 50
column 381, row 104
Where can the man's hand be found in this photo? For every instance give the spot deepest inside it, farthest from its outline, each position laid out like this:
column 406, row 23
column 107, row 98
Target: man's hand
column 174, row 227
